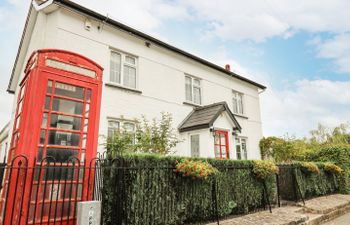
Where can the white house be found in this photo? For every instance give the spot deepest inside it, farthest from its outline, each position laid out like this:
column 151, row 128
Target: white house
column 215, row 111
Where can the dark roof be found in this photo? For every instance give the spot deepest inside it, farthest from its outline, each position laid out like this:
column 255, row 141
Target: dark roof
column 135, row 32
column 205, row 116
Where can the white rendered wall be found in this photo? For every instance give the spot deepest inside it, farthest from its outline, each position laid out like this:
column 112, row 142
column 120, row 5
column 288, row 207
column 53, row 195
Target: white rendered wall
column 161, row 77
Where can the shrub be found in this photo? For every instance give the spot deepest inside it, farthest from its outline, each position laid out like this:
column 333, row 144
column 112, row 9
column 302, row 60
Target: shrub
column 310, row 167
column 332, row 168
column 195, row 169
column 264, row 169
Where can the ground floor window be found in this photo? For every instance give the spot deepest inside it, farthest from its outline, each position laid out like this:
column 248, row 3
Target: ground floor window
column 241, row 147
column 221, row 144
column 115, row 126
column 195, row 145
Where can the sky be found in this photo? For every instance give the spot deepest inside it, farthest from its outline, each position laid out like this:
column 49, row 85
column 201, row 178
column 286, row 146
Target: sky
column 300, row 51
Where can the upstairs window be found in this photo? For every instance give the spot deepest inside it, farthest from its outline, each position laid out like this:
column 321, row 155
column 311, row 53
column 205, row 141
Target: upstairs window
column 123, row 69
column 193, row 90
column 238, row 106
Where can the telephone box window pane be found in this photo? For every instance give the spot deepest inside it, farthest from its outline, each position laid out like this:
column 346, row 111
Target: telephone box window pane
column 88, row 97
column 65, row 122
column 42, row 136
column 86, row 125
column 44, row 121
column 67, row 106
column 49, row 87
column 87, row 110
column 69, row 91
column 83, row 145
column 63, row 138
column 61, row 155
column 47, row 102
column 40, row 154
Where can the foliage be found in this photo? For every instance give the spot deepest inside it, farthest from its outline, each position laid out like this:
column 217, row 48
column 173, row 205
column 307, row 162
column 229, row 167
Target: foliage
column 281, row 150
column 339, row 155
column 152, row 190
column 310, row 184
column 288, row 149
column 332, row 168
column 264, row 169
column 310, row 167
column 157, row 136
column 195, row 169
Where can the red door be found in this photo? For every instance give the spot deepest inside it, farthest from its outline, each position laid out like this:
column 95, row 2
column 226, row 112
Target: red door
column 56, row 130
column 221, row 144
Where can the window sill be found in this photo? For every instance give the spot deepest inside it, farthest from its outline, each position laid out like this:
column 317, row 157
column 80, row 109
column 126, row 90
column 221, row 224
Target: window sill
column 240, row 115
column 123, row 88
column 191, row 104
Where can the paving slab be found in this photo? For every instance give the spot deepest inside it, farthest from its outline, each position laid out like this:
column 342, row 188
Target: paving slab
column 316, row 211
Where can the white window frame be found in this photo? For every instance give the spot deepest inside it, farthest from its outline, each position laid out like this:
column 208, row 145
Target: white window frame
column 123, row 63
column 199, row 144
column 243, row 152
column 121, row 125
column 193, row 86
column 239, row 97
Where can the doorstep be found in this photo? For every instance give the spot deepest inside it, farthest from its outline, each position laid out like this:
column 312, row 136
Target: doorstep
column 316, row 211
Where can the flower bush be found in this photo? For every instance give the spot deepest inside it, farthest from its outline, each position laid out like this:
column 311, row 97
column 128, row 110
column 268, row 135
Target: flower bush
column 195, row 169
column 310, row 167
column 263, row 169
column 332, row 168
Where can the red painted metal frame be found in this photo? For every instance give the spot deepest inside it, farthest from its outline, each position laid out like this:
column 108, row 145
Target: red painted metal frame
column 32, row 99
column 220, row 145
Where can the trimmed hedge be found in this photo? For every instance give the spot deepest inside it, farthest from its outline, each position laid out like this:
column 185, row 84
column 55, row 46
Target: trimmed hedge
column 311, row 184
column 339, row 155
column 144, row 189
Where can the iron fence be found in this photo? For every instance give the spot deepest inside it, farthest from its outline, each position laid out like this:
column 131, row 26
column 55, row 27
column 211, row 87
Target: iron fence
column 48, row 191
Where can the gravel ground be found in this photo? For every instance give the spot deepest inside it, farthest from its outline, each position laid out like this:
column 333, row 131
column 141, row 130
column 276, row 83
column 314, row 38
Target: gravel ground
column 343, row 220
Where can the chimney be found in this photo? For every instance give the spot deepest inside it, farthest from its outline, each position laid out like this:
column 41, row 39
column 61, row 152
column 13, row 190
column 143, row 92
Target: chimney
column 228, row 67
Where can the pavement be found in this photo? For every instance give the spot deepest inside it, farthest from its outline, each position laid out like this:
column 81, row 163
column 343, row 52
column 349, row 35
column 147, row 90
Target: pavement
column 316, row 211
column 342, row 220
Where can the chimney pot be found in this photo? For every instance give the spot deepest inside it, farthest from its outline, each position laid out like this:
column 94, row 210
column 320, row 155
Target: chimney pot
column 228, row 67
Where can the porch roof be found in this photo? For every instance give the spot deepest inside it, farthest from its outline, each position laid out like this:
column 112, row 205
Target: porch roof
column 205, row 116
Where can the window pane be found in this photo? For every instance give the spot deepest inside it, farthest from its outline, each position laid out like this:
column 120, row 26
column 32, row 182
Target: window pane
column 130, row 60
column 217, row 151
column 42, row 137
column 67, row 106
column 49, row 87
column 68, row 90
column 113, row 127
column 235, row 105
column 88, row 97
column 195, row 145
column 44, row 121
column 188, row 85
column 197, row 95
column 244, row 148
column 47, row 102
column 129, row 127
column 115, row 67
column 238, row 151
column 65, row 122
column 129, row 76
column 196, row 82
column 63, row 138
column 61, row 155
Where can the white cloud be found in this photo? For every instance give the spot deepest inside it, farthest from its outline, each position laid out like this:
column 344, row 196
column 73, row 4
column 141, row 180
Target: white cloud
column 300, row 108
column 337, row 49
column 259, row 20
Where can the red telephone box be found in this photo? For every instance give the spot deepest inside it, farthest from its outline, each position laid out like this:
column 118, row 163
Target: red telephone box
column 57, row 122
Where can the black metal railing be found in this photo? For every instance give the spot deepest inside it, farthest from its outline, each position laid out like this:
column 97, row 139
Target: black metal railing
column 48, row 191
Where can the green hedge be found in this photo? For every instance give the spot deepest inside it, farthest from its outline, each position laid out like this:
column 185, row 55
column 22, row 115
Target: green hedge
column 310, row 184
column 146, row 190
column 339, row 155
